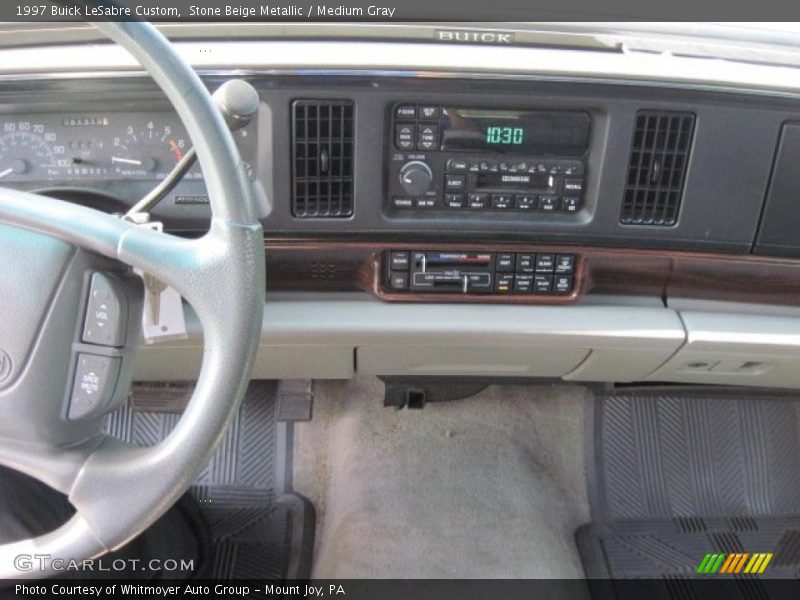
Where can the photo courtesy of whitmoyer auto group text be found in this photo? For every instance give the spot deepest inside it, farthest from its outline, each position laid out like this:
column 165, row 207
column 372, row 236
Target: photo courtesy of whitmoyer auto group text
column 387, row 300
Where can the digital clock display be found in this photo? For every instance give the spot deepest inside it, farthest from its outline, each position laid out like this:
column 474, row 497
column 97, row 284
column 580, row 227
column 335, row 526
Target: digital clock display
column 534, row 132
column 504, row 135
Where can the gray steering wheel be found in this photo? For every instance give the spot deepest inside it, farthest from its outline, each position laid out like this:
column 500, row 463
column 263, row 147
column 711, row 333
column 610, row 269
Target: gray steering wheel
column 119, row 490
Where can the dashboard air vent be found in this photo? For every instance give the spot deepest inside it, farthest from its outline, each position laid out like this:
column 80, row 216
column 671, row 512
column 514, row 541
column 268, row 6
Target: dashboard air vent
column 657, row 169
column 322, row 163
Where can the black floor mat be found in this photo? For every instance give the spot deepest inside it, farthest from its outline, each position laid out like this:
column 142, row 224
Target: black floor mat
column 676, row 477
column 243, row 492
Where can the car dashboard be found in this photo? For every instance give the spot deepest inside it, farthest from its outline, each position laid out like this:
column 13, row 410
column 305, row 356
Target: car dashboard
column 451, row 210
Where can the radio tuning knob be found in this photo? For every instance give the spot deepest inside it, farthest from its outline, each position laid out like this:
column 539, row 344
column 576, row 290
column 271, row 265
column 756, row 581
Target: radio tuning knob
column 416, row 177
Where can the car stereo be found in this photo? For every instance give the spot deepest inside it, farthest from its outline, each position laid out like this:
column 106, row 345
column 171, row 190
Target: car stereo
column 459, row 160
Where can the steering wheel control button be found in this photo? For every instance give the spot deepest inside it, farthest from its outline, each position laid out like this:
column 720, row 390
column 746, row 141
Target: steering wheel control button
column 94, row 383
column 106, row 313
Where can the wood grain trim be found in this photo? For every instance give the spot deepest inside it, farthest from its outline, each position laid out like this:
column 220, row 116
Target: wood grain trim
column 327, row 265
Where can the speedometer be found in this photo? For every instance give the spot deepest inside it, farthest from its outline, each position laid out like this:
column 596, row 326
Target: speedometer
column 28, row 151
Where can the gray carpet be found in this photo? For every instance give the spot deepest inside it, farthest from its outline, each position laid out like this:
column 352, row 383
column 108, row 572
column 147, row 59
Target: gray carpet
column 679, row 475
column 238, row 490
column 488, row 487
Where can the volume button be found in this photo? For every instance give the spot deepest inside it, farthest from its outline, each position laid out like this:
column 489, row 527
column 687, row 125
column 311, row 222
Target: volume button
column 416, row 178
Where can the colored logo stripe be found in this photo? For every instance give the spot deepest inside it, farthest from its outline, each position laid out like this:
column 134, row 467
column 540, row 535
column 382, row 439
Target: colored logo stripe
column 734, row 563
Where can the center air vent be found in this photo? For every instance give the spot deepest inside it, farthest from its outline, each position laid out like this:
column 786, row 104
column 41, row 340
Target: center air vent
column 657, row 168
column 322, row 165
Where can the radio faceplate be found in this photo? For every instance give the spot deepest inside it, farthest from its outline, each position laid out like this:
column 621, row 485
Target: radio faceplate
column 424, row 178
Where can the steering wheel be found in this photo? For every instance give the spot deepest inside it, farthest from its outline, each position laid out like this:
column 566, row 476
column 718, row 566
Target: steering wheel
column 119, row 490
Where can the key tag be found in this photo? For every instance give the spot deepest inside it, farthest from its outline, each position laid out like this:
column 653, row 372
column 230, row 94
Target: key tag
column 163, row 316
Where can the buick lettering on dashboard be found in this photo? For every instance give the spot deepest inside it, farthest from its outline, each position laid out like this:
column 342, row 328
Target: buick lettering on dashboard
column 472, row 37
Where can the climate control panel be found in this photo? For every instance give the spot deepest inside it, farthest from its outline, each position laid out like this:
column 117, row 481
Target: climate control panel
column 485, row 273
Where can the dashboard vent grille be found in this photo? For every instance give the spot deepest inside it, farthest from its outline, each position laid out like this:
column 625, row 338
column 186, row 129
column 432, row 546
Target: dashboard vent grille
column 657, row 169
column 322, row 165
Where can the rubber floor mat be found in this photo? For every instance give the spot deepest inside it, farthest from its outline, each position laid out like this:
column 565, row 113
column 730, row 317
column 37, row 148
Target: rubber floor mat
column 241, row 490
column 682, row 478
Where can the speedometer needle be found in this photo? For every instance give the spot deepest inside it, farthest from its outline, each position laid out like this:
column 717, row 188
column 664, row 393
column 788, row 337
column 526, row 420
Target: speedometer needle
column 129, row 161
column 8, row 171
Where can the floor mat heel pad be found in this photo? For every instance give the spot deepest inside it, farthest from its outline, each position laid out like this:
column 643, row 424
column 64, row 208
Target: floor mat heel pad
column 241, row 490
column 679, row 476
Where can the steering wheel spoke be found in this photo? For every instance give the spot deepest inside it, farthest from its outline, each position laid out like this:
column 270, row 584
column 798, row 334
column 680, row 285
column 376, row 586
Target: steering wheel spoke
column 57, row 467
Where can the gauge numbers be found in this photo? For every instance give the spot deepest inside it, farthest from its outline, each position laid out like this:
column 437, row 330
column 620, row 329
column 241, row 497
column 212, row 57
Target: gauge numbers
column 149, row 150
column 29, row 150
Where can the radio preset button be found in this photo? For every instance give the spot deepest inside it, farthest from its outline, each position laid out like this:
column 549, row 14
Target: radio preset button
column 406, row 112
column 505, row 263
column 455, row 183
column 478, row 200
column 549, row 203
column 427, row 137
column 572, row 205
column 404, row 137
column 525, row 202
column 525, row 263
column 484, row 166
column 429, row 112
column 502, row 201
column 455, row 200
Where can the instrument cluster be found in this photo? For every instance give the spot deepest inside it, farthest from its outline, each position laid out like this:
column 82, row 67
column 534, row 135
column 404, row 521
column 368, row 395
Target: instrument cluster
column 75, row 148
